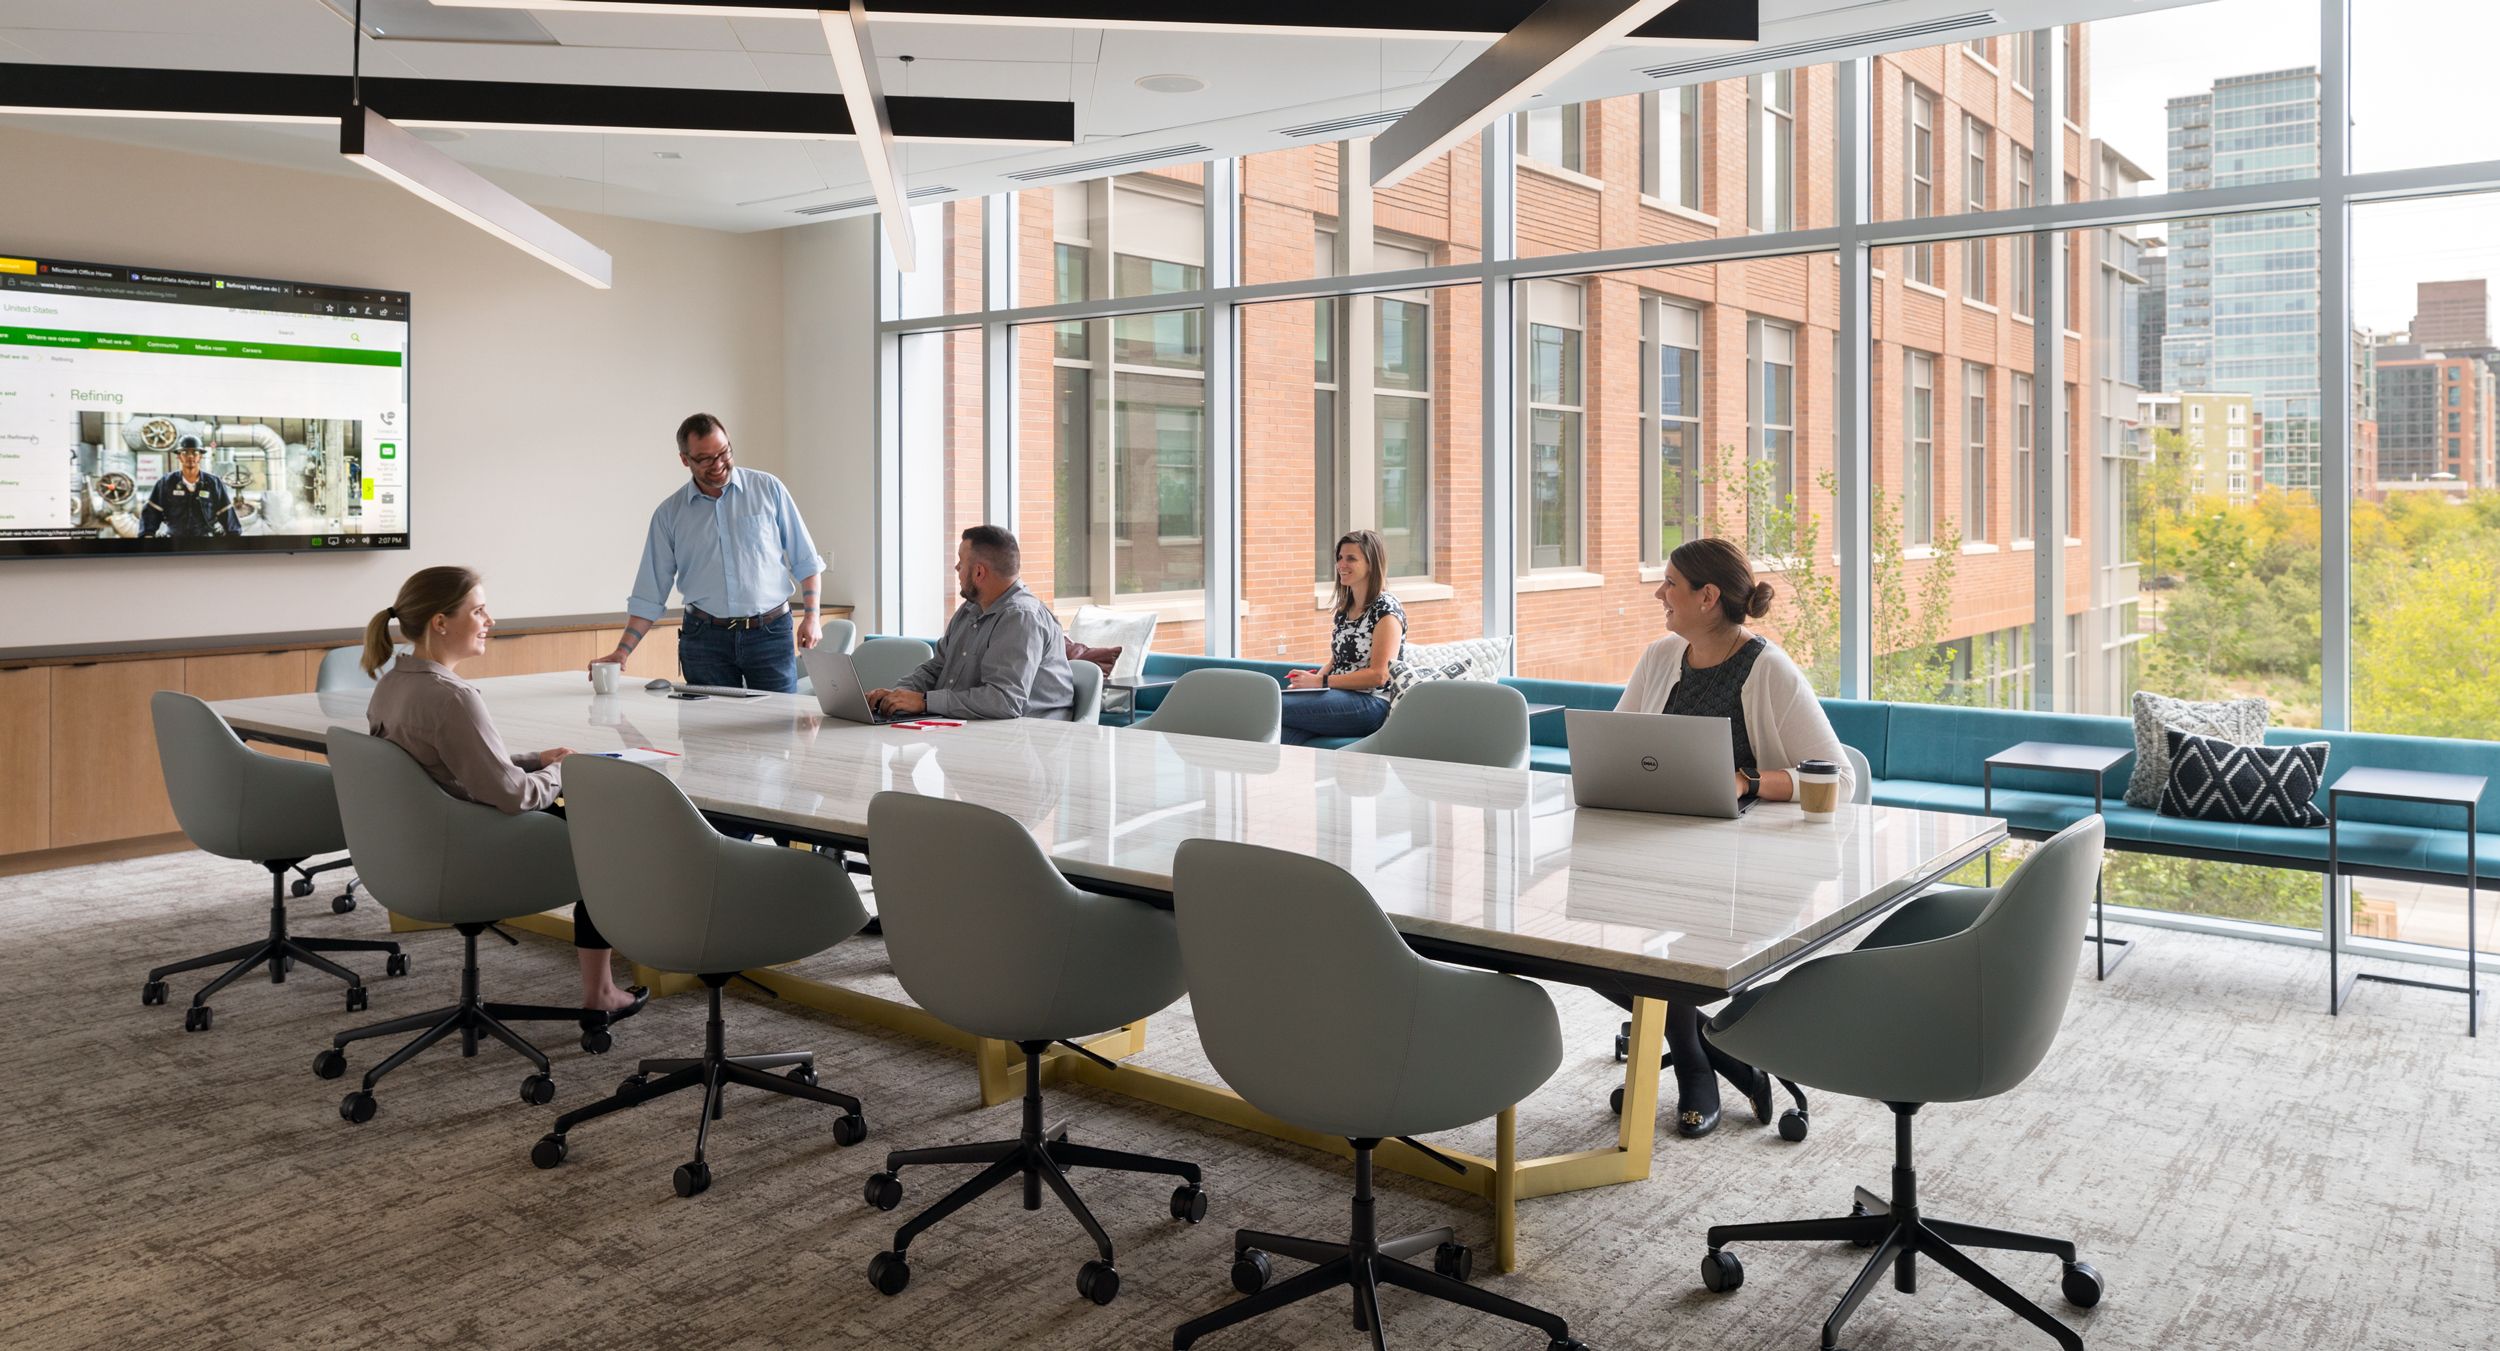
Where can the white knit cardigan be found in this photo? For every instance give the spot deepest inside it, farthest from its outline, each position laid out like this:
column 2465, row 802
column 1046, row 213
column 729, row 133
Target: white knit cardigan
column 1783, row 719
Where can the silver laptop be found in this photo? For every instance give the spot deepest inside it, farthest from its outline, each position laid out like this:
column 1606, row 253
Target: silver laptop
column 838, row 691
column 1653, row 762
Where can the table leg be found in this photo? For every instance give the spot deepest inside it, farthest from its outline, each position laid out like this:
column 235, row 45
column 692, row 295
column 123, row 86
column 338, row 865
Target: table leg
column 2473, row 893
column 1506, row 1189
column 2334, row 897
column 1638, row 1132
column 1988, row 807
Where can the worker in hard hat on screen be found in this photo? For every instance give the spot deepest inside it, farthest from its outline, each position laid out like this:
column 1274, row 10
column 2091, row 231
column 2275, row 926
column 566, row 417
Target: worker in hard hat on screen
column 190, row 503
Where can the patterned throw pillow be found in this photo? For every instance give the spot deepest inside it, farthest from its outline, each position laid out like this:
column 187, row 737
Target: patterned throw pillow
column 1485, row 659
column 2241, row 722
column 2214, row 780
column 1104, row 657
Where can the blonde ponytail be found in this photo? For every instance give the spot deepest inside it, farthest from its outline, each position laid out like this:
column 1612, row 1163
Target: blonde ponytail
column 427, row 592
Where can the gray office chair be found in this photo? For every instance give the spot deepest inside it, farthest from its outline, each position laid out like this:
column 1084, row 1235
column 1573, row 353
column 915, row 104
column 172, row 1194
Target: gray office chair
column 432, row 857
column 670, row 891
column 342, row 671
column 882, row 661
column 1088, row 705
column 988, row 937
column 1370, row 1042
column 1861, row 776
column 1956, row 997
column 1468, row 722
column 234, row 802
column 1219, row 701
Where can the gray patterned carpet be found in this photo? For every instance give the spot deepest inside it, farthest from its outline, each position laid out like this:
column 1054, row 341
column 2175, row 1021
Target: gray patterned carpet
column 2243, row 1170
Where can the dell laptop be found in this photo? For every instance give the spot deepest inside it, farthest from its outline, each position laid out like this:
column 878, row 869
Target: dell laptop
column 838, row 691
column 1654, row 762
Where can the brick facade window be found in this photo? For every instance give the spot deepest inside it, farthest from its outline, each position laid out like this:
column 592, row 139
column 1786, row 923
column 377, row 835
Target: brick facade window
column 1671, row 146
column 1918, row 504
column 1673, row 411
column 1975, row 476
column 1555, row 318
column 1978, row 281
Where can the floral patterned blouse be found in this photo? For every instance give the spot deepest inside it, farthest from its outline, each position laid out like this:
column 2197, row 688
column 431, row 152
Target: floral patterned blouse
column 1350, row 642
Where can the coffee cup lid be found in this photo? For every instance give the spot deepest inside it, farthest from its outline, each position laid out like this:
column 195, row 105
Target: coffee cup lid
column 1818, row 767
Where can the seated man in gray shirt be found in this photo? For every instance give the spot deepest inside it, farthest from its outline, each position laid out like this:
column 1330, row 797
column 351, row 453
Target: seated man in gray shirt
column 1003, row 655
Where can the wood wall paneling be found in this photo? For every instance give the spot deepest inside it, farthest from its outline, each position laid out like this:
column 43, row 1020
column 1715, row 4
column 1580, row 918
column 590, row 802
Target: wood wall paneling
column 531, row 653
column 657, row 655
column 26, row 759
column 105, row 780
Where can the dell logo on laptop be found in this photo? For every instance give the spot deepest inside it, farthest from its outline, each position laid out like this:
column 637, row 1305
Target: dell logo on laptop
column 1650, row 763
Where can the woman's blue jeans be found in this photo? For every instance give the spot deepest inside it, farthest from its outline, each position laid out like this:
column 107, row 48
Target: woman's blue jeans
column 1332, row 713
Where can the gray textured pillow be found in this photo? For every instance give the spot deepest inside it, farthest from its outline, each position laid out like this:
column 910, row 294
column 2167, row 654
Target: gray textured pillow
column 2241, row 722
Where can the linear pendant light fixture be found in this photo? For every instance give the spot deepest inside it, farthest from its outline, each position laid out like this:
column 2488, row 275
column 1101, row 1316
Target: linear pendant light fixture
column 376, row 142
column 855, row 69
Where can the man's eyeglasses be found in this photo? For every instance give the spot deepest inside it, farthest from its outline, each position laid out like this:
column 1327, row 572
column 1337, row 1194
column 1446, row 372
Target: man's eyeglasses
column 707, row 461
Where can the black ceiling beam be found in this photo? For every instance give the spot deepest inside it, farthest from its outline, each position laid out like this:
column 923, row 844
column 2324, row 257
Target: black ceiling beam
column 246, row 95
column 1689, row 21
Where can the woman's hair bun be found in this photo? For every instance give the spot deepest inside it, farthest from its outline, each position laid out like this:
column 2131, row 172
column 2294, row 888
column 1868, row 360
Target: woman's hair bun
column 1759, row 603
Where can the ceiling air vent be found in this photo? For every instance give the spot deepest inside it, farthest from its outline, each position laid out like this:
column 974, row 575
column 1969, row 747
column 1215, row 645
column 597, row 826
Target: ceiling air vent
column 1340, row 125
column 1782, row 56
column 1096, row 166
column 828, row 208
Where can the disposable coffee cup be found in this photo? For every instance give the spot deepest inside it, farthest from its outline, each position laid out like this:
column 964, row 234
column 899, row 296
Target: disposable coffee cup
column 1818, row 787
column 603, row 676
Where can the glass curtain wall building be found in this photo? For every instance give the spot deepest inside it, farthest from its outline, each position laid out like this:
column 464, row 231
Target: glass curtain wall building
column 1990, row 352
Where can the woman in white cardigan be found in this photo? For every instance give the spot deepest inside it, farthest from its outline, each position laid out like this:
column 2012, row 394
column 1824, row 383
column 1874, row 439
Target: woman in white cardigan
column 1711, row 665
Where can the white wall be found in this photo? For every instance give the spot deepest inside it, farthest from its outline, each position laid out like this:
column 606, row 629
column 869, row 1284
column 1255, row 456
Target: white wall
column 542, row 409
column 829, row 376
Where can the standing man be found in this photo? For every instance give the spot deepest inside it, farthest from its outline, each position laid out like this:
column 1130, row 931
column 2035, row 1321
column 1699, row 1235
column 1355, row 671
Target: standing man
column 731, row 542
column 190, row 503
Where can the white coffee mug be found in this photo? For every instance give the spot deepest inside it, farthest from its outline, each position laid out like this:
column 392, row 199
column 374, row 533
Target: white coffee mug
column 603, row 675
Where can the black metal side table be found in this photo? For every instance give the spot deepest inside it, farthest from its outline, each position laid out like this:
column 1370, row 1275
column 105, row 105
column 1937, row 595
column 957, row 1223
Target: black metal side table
column 2402, row 785
column 2057, row 757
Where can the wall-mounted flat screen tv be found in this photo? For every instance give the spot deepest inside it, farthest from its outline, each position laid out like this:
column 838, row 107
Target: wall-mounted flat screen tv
column 147, row 411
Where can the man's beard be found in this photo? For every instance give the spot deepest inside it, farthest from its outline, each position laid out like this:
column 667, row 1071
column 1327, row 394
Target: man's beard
column 969, row 594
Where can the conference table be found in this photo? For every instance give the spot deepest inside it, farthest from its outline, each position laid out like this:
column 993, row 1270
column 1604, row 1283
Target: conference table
column 1483, row 867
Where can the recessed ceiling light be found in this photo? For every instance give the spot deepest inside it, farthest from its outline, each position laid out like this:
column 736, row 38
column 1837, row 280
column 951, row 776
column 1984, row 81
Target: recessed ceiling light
column 438, row 134
column 666, row 154
column 1170, row 84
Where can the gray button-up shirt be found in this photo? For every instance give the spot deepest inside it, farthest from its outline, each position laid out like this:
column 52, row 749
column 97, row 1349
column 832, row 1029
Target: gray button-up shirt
column 1007, row 661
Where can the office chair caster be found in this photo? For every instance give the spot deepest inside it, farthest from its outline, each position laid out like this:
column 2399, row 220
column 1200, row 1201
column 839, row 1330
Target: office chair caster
column 1614, row 1101
column 330, row 1064
column 396, row 965
column 804, row 1074
column 1566, row 1344
column 1251, row 1271
column 1098, row 1281
column 597, row 1041
column 849, row 1129
column 153, row 993
column 2082, row 1285
column 279, row 969
column 357, row 1108
column 1454, row 1260
column 884, row 1190
column 1858, row 1211
column 538, row 1090
column 1623, row 1044
column 300, row 888
column 356, row 999
column 1793, row 1125
column 342, row 903
column 548, row 1152
column 692, row 1179
column 196, row 1018
column 1189, row 1203
column 631, row 1086
column 1721, row 1272
column 889, row 1273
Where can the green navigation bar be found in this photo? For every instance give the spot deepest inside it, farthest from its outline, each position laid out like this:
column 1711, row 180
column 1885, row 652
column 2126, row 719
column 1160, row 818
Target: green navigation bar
column 193, row 347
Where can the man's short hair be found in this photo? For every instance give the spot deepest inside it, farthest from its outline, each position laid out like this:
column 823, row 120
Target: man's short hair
column 701, row 424
column 995, row 547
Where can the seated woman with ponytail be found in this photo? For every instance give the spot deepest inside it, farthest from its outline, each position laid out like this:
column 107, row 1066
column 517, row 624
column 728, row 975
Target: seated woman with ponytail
column 1711, row 666
column 422, row 706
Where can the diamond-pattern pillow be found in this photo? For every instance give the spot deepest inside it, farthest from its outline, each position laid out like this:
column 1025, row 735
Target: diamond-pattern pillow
column 1467, row 659
column 2239, row 721
column 2214, row 780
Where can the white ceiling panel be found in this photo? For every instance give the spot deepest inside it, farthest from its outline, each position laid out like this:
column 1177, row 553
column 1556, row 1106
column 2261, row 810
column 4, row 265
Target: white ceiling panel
column 780, row 35
column 642, row 67
column 790, row 73
column 641, row 30
column 977, row 79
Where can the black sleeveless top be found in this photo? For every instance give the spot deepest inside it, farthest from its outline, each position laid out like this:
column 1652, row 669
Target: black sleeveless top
column 1719, row 692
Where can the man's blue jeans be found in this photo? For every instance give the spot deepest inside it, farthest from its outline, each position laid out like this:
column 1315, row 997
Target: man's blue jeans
column 759, row 659
column 1332, row 713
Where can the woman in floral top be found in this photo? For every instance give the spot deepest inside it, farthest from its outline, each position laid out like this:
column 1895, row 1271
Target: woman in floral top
column 1351, row 696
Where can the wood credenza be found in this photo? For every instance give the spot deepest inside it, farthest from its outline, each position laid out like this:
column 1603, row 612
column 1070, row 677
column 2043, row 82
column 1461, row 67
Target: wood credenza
column 78, row 770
